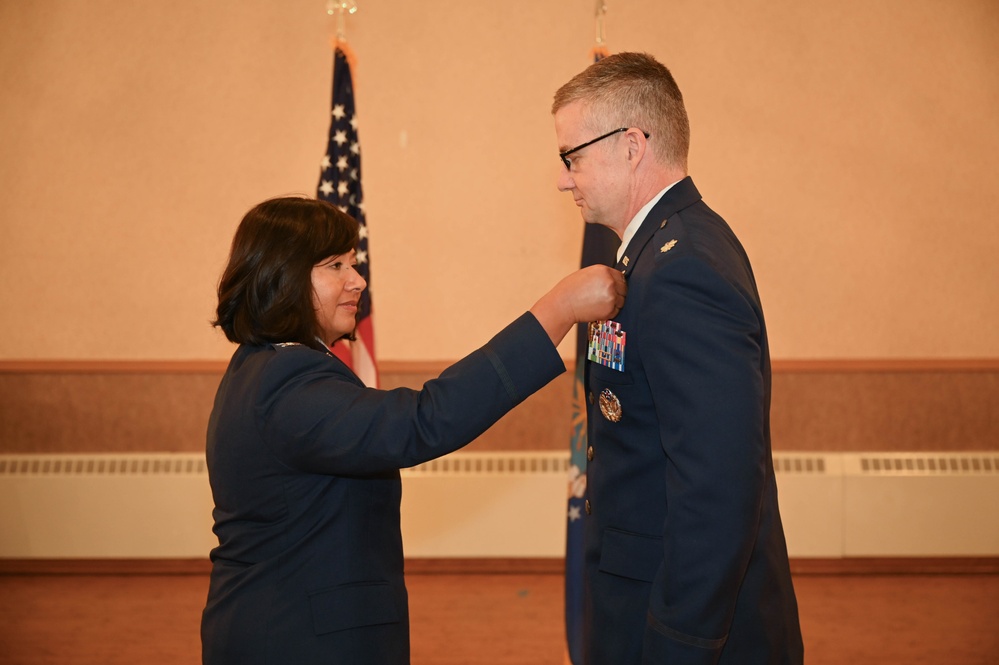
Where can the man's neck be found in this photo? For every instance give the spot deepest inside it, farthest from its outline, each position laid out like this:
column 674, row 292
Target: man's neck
column 647, row 189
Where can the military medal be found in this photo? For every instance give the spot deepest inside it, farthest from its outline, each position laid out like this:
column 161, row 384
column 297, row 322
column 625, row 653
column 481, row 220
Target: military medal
column 610, row 405
column 606, row 344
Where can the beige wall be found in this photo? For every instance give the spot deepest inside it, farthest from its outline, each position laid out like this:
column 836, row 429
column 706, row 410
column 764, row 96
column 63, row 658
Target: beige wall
column 854, row 146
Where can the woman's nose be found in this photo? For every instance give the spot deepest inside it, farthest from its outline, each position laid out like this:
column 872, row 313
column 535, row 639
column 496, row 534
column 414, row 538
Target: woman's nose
column 358, row 282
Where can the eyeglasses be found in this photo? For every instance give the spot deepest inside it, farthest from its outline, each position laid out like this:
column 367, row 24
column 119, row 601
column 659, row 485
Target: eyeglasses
column 564, row 156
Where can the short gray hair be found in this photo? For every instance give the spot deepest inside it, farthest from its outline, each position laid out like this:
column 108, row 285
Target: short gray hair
column 632, row 90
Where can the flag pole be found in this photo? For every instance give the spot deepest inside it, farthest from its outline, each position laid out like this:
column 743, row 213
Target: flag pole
column 599, row 14
column 339, row 9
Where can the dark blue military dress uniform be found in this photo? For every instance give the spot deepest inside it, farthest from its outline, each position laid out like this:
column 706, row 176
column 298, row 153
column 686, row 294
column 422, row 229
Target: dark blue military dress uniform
column 684, row 550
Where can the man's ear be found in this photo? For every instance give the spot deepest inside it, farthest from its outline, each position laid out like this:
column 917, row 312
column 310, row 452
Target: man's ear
column 637, row 145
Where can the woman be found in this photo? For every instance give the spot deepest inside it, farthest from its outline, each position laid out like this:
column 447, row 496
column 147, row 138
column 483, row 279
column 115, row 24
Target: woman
column 304, row 460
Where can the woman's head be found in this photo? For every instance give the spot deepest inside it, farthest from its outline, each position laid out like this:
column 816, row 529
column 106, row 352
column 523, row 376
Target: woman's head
column 267, row 291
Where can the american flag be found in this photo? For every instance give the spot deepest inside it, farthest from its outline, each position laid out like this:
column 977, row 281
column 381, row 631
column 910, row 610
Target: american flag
column 340, row 184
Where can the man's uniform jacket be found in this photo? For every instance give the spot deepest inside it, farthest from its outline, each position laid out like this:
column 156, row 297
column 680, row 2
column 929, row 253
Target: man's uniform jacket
column 304, row 466
column 684, row 550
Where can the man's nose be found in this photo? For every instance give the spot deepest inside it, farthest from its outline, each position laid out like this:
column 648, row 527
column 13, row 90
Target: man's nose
column 564, row 181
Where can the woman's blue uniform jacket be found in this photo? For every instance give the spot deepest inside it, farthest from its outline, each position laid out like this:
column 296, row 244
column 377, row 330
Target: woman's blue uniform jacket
column 304, row 466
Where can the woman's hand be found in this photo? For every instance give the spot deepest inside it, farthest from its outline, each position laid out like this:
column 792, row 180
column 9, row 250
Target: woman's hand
column 591, row 294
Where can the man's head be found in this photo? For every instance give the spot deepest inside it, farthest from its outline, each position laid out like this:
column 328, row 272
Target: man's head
column 623, row 136
column 632, row 90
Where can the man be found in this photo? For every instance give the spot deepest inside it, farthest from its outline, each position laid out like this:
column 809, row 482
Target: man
column 685, row 558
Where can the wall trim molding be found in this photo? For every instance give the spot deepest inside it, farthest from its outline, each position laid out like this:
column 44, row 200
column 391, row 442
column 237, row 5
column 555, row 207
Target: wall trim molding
column 881, row 365
column 435, row 367
column 479, row 566
column 113, row 366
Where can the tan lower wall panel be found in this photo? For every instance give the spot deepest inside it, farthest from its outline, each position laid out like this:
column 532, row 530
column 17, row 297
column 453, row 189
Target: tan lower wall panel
column 855, row 411
column 847, row 410
column 105, row 412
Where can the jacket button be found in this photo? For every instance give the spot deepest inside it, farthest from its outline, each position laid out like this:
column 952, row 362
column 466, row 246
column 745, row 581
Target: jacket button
column 589, row 453
column 588, row 509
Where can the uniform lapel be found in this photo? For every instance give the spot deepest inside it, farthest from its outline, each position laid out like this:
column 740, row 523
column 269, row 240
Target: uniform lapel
column 679, row 196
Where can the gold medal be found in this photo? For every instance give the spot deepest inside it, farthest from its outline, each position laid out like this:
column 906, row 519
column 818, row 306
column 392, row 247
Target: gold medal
column 610, row 406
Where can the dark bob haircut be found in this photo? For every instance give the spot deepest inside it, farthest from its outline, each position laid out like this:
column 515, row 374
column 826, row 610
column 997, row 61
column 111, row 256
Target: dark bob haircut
column 265, row 294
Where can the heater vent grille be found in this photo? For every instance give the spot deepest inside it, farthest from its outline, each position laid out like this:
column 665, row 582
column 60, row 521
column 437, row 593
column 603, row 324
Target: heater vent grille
column 907, row 465
column 799, row 464
column 103, row 465
column 492, row 464
column 500, row 504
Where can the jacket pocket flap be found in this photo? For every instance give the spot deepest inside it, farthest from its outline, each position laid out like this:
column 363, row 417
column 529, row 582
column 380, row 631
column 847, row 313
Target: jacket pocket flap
column 600, row 374
column 353, row 606
column 630, row 555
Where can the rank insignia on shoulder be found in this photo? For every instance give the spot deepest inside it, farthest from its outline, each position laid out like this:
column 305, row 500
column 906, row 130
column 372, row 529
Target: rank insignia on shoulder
column 606, row 340
column 668, row 246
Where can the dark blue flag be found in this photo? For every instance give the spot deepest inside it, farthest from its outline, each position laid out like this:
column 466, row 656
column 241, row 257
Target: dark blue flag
column 599, row 247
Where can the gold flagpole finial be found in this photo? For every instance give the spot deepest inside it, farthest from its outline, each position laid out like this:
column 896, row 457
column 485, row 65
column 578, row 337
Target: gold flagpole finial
column 338, row 7
column 599, row 14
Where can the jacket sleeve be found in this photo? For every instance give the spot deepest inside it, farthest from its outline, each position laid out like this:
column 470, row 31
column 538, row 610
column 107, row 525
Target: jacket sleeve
column 704, row 366
column 317, row 419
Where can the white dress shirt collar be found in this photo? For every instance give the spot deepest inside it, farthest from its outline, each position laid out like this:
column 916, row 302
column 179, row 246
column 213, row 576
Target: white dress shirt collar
column 636, row 221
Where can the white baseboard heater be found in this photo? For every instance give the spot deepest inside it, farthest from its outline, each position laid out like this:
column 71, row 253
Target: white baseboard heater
column 500, row 505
